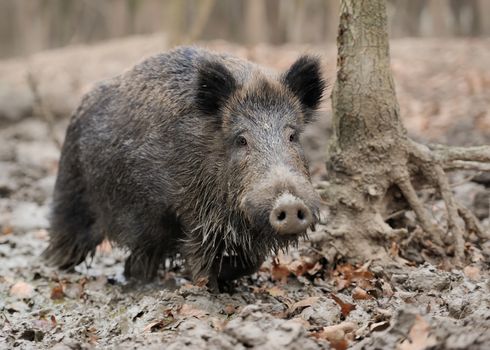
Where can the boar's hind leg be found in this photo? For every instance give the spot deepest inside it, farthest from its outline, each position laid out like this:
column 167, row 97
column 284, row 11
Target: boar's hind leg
column 72, row 236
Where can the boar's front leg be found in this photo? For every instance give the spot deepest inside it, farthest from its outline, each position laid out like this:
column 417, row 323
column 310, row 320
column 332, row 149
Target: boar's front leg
column 232, row 267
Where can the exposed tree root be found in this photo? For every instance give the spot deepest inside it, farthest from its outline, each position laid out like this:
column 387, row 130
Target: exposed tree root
column 356, row 219
column 472, row 154
column 430, row 162
column 465, row 165
column 402, row 180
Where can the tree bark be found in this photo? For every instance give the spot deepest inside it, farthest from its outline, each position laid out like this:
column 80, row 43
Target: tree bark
column 372, row 164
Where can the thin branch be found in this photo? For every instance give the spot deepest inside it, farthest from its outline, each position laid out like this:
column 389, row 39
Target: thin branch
column 474, row 154
column 204, row 11
column 465, row 165
column 440, row 179
column 403, row 182
column 45, row 112
column 472, row 222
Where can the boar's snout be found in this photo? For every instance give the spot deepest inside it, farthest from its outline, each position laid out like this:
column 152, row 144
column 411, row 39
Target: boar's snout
column 290, row 215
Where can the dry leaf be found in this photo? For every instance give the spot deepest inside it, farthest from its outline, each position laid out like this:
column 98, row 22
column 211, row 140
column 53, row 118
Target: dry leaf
column 379, row 326
column 387, row 290
column 394, row 249
column 345, row 308
column 297, row 267
column 44, row 324
column 275, row 291
column 201, row 282
column 217, row 323
column 345, row 275
column 97, row 284
column 472, row 272
column 160, row 324
column 72, row 290
column 279, row 272
column 42, row 234
column 360, row 294
column 190, row 311
column 418, row 337
column 57, row 292
column 22, row 290
column 91, row 334
column 337, row 335
column 301, row 321
column 303, row 303
column 304, row 265
column 229, row 310
column 7, row 230
column 315, row 268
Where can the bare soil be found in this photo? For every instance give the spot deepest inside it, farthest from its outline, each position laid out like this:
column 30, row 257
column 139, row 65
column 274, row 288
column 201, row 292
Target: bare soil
column 305, row 299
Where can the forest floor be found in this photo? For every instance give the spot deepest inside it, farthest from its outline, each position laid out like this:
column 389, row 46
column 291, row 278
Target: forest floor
column 299, row 300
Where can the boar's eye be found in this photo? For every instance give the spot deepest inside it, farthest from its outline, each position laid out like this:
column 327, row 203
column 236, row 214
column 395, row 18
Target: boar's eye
column 241, row 141
column 293, row 137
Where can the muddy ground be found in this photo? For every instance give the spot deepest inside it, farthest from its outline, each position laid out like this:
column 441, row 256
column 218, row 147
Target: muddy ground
column 299, row 300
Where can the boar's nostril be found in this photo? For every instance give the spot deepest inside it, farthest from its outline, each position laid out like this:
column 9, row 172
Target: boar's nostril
column 301, row 215
column 281, row 216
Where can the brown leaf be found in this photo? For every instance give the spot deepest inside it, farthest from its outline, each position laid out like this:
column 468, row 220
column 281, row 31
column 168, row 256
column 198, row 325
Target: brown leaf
column 345, row 308
column 275, row 291
column 201, row 282
column 337, row 335
column 96, row 285
column 297, row 267
column 229, row 309
column 167, row 320
column 22, row 290
column 44, row 324
column 315, row 268
column 345, row 275
column 57, row 292
column 418, row 337
column 472, row 272
column 72, row 290
column 7, row 230
column 279, row 272
column 394, row 249
column 379, row 326
column 42, row 234
column 91, row 334
column 360, row 294
column 301, row 321
column 217, row 323
column 304, row 265
column 303, row 303
column 387, row 290
column 191, row 311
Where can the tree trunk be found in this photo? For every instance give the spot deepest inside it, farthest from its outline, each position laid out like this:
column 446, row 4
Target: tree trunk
column 256, row 22
column 373, row 166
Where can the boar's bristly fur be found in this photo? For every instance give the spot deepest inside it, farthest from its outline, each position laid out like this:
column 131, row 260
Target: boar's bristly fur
column 189, row 154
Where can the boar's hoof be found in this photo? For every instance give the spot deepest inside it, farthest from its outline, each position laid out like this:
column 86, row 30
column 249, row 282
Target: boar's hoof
column 290, row 216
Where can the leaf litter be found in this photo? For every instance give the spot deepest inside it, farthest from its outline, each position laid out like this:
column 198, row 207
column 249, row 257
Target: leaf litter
column 307, row 298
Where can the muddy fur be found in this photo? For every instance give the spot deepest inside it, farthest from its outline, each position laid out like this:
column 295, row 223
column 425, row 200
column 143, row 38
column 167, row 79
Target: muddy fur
column 155, row 161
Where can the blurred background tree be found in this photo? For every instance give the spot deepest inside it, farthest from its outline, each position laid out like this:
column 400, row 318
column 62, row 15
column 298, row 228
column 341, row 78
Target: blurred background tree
column 28, row 26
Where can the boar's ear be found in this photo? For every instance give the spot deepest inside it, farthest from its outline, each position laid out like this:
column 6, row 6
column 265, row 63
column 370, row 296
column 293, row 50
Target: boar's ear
column 215, row 86
column 304, row 79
